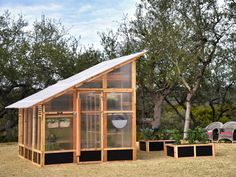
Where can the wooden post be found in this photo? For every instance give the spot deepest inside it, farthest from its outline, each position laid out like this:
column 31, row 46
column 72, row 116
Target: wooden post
column 19, row 130
column 74, row 120
column 78, row 140
column 134, row 110
column 176, row 152
column 20, row 126
column 104, row 120
column 213, row 150
column 195, row 151
column 33, row 132
column 41, row 114
column 147, row 146
column 25, row 130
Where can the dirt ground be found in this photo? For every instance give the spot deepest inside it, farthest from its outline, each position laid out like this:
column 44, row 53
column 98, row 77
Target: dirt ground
column 152, row 164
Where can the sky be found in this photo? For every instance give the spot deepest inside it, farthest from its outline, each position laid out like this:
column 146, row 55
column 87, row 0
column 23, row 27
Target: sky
column 83, row 18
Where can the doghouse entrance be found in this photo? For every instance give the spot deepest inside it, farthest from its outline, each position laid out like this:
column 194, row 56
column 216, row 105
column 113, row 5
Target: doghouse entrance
column 215, row 134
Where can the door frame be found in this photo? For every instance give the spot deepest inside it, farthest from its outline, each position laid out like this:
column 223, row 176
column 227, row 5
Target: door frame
column 78, row 123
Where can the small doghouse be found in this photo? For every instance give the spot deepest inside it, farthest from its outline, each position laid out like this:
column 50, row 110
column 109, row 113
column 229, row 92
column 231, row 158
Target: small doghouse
column 88, row 117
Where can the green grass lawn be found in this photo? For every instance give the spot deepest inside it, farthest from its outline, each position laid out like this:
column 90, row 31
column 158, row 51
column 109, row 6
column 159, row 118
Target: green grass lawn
column 152, row 164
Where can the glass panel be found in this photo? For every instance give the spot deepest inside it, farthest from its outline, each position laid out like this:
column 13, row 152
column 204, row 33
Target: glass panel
column 22, row 126
column 120, row 78
column 90, row 120
column 36, row 129
column 59, row 134
column 90, row 130
column 31, row 127
column 60, row 104
column 26, row 126
column 119, row 101
column 90, row 101
column 119, row 130
column 39, row 133
column 97, row 83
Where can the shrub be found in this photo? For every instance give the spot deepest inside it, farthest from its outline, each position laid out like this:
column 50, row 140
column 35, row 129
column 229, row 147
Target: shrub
column 162, row 135
column 175, row 135
column 196, row 135
column 147, row 134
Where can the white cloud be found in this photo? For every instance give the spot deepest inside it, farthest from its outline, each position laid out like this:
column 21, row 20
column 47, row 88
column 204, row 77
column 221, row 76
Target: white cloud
column 83, row 20
column 84, row 8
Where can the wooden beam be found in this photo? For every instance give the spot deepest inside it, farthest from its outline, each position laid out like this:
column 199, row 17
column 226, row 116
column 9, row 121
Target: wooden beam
column 104, row 127
column 134, row 109
column 74, row 124
column 25, row 130
column 106, row 90
column 19, row 126
column 33, row 132
column 41, row 109
column 78, row 125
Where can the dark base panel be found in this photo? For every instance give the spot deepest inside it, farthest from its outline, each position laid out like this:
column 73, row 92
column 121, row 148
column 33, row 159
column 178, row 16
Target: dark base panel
column 21, row 151
column 89, row 156
column 113, row 155
column 30, row 155
column 156, row 146
column 170, row 151
column 142, row 146
column 59, row 158
column 204, row 150
column 35, row 155
column 186, row 151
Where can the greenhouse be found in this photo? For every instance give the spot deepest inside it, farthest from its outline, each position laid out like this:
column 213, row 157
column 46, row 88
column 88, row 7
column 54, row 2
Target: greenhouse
column 88, row 117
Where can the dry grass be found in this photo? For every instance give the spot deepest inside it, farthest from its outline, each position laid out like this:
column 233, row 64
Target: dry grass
column 148, row 164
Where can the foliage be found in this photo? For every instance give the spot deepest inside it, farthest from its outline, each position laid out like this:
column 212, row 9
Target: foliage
column 35, row 59
column 175, row 135
column 162, row 134
column 147, row 134
column 197, row 135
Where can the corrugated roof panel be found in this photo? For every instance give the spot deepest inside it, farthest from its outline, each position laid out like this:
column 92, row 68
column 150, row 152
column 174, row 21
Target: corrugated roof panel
column 65, row 84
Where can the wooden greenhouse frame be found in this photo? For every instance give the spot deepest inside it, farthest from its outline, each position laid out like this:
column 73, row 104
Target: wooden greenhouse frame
column 93, row 120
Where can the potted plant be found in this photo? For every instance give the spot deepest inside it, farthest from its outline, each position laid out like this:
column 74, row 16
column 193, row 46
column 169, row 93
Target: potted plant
column 64, row 123
column 153, row 140
column 52, row 123
column 52, row 143
column 195, row 146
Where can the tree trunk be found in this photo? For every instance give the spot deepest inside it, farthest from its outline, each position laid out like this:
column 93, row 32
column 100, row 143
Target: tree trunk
column 187, row 115
column 158, row 101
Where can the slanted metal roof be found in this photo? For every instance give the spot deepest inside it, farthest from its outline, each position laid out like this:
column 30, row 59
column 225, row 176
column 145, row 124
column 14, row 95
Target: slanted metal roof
column 72, row 81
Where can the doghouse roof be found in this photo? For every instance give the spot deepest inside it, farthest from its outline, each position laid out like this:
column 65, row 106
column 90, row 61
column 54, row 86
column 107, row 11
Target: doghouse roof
column 72, row 81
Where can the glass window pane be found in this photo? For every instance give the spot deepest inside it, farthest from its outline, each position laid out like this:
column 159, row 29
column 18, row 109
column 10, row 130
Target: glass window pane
column 97, row 83
column 60, row 104
column 119, row 101
column 90, row 130
column 120, row 78
column 36, row 128
column 59, row 134
column 119, row 130
column 31, row 127
column 22, row 126
column 90, row 101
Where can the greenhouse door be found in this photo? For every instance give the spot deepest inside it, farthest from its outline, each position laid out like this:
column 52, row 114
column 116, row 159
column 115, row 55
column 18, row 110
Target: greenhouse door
column 90, row 126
